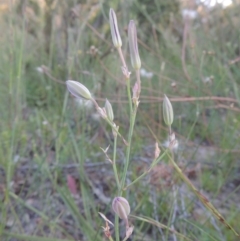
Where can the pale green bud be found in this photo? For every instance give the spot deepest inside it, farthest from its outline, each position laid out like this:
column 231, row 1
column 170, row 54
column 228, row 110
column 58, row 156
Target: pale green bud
column 121, row 207
column 78, row 90
column 109, row 110
column 167, row 111
column 116, row 38
column 133, row 45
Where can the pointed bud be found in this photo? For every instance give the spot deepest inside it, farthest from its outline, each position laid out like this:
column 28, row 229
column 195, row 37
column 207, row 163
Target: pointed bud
column 121, row 207
column 78, row 90
column 133, row 45
column 167, row 111
column 117, row 41
column 109, row 110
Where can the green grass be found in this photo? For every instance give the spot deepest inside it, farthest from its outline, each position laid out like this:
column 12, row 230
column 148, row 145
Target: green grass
column 45, row 134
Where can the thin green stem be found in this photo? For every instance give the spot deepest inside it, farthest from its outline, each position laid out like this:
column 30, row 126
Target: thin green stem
column 116, row 227
column 110, row 238
column 122, row 58
column 154, row 163
column 132, row 114
column 120, row 186
column 130, row 133
column 114, row 162
column 129, row 98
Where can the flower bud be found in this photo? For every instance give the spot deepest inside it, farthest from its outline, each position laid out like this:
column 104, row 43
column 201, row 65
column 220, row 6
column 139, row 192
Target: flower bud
column 121, row 207
column 167, row 111
column 133, row 45
column 78, row 90
column 109, row 110
column 117, row 41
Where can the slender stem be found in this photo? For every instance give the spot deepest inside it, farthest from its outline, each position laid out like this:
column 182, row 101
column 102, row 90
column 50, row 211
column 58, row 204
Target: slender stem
column 133, row 112
column 132, row 118
column 114, row 162
column 128, row 80
column 129, row 98
column 130, row 133
column 122, row 58
column 110, row 238
column 118, row 184
column 116, row 227
column 180, row 173
column 154, row 163
column 132, row 115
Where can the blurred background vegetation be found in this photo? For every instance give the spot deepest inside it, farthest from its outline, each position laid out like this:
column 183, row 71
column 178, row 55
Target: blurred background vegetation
column 190, row 50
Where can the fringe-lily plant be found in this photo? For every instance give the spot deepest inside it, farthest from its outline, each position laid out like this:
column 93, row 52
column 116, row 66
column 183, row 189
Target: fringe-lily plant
column 120, row 204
